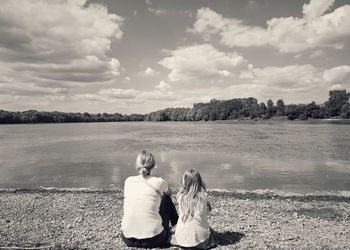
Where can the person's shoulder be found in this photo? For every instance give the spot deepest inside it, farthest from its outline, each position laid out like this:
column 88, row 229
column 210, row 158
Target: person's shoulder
column 130, row 178
column 158, row 179
column 160, row 183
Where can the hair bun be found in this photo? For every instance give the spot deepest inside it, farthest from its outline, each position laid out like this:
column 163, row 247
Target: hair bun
column 144, row 162
column 143, row 171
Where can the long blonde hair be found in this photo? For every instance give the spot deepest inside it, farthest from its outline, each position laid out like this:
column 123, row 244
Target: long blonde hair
column 192, row 191
column 145, row 162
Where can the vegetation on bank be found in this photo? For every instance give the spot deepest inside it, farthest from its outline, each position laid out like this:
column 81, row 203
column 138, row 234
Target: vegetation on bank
column 239, row 108
column 34, row 116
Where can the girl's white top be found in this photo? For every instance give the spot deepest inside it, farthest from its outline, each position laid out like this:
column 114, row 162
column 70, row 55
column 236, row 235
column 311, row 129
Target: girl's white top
column 141, row 217
column 194, row 230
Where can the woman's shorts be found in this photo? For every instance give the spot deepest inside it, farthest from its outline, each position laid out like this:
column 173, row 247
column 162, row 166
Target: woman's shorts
column 159, row 240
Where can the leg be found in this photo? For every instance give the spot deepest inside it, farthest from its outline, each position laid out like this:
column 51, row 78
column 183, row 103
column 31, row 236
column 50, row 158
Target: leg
column 167, row 211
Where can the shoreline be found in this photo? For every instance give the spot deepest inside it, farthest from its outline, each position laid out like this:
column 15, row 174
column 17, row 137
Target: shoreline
column 343, row 196
column 240, row 120
column 90, row 219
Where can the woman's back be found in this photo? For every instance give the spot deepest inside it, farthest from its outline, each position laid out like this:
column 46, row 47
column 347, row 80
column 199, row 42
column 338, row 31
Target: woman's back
column 142, row 197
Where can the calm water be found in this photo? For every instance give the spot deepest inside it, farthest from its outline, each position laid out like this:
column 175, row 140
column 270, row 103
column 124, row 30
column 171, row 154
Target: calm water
column 290, row 156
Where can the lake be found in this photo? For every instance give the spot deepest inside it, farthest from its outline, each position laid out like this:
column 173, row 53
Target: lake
column 289, row 156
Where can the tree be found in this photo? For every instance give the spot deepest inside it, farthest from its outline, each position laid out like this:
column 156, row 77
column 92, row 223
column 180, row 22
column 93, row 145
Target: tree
column 250, row 108
column 280, row 108
column 312, row 110
column 345, row 111
column 270, row 108
column 336, row 100
column 294, row 111
column 262, row 109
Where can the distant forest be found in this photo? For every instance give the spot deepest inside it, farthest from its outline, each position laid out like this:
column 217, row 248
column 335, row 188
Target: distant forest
column 337, row 106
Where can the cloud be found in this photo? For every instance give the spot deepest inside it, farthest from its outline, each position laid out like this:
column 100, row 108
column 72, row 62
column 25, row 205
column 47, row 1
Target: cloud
column 292, row 76
column 316, row 8
column 119, row 93
column 158, row 95
column 316, row 29
column 296, row 78
column 112, row 94
column 200, row 61
column 56, row 44
column 293, row 83
column 317, row 53
column 336, row 86
column 337, row 75
column 157, row 12
column 88, row 97
column 149, row 72
column 30, row 90
column 162, row 86
column 252, row 4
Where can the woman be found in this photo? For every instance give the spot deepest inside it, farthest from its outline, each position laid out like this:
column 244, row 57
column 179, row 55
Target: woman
column 148, row 207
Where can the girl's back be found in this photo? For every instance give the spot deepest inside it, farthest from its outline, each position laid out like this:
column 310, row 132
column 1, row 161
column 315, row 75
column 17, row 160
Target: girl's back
column 192, row 228
column 195, row 229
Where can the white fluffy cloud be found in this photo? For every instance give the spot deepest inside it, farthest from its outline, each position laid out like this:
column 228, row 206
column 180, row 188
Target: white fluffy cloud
column 200, row 61
column 149, row 72
column 294, row 78
column 162, row 86
column 119, row 93
column 289, row 77
column 55, row 44
column 316, row 8
column 316, row 29
column 337, row 75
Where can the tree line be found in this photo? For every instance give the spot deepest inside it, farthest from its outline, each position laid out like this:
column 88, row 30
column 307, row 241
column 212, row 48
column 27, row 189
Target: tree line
column 34, row 116
column 249, row 108
column 337, row 106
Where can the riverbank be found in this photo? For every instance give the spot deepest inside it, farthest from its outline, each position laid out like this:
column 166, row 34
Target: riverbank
column 90, row 220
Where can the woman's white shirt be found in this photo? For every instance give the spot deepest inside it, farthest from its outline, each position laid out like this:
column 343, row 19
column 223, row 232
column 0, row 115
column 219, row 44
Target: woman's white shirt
column 141, row 218
column 194, row 230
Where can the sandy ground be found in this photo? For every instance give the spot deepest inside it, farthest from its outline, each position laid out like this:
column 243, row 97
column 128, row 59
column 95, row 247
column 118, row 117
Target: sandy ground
column 91, row 220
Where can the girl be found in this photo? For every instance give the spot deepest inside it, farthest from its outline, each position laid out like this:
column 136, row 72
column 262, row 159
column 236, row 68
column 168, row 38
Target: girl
column 148, row 208
column 193, row 229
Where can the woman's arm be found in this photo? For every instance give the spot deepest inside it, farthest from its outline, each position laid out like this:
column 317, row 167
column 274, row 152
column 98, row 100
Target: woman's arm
column 165, row 188
column 169, row 192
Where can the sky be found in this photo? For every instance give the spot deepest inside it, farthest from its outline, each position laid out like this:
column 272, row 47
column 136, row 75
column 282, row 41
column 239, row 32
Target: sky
column 138, row 56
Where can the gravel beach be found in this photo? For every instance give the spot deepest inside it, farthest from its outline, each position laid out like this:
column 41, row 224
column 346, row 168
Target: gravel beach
column 44, row 219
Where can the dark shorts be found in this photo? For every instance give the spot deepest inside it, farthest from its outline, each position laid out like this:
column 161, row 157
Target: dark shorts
column 159, row 240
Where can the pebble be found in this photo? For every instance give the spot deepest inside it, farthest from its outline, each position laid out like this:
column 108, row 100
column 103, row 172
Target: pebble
column 274, row 227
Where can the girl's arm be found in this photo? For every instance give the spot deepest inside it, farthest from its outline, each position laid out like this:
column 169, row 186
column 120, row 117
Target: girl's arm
column 209, row 206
